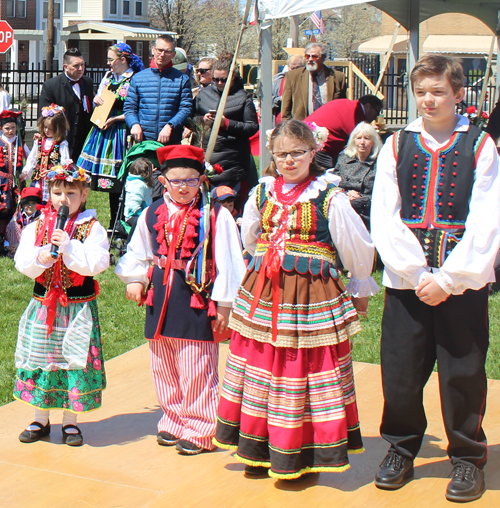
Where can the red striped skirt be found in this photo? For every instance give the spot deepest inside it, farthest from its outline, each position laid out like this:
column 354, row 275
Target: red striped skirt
column 291, row 410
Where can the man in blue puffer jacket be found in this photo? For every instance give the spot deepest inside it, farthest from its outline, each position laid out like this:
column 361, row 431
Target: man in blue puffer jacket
column 159, row 99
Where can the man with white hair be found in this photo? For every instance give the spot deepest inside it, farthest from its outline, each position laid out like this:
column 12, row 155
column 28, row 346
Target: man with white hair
column 308, row 88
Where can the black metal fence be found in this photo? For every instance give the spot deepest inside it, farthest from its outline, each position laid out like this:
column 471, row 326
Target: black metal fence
column 24, row 85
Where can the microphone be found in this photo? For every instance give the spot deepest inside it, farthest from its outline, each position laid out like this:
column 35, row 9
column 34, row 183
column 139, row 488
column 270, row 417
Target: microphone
column 62, row 217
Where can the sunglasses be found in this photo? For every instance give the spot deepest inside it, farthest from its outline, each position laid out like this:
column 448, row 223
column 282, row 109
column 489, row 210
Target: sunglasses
column 202, row 71
column 220, row 80
column 312, row 57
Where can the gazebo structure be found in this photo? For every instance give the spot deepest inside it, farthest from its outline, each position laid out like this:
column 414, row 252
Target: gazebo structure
column 409, row 13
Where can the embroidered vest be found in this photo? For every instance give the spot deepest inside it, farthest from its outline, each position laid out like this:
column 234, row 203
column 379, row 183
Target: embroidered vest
column 78, row 288
column 7, row 165
column 436, row 187
column 309, row 246
column 45, row 161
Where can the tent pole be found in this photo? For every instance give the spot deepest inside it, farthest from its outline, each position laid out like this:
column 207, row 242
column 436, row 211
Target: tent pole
column 294, row 30
column 497, row 91
column 413, row 49
column 266, row 106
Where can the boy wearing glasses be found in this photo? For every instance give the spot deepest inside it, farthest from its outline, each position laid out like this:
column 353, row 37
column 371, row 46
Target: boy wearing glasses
column 310, row 87
column 184, row 262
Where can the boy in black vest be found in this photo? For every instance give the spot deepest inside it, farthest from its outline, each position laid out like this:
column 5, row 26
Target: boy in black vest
column 436, row 223
column 185, row 262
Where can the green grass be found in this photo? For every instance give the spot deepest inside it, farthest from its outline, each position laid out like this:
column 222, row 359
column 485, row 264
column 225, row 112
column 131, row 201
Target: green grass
column 122, row 322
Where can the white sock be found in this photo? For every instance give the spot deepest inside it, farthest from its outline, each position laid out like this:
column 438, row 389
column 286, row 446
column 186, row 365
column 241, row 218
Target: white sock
column 69, row 418
column 41, row 417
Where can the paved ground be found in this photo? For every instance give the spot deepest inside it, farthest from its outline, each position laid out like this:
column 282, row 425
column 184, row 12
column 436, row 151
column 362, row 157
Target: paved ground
column 121, row 465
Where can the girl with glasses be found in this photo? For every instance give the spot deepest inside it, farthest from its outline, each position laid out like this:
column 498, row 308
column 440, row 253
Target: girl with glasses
column 288, row 404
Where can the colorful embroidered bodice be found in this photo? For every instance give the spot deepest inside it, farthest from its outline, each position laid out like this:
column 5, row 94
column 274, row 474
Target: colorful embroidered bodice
column 308, row 245
column 45, row 159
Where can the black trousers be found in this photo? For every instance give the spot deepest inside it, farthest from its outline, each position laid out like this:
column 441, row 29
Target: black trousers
column 415, row 336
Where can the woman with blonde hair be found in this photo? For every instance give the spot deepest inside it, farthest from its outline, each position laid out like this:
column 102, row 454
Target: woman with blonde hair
column 356, row 167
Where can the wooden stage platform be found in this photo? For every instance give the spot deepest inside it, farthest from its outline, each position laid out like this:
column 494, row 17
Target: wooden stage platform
column 120, row 464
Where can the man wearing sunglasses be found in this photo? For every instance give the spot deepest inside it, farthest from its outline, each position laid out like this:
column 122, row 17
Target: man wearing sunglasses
column 159, row 99
column 309, row 88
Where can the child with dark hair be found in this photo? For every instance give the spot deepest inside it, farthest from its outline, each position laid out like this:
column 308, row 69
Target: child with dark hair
column 27, row 211
column 50, row 148
column 13, row 153
column 184, row 261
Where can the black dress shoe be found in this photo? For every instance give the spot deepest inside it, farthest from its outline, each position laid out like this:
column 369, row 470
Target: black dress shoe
column 394, row 472
column 166, row 439
column 72, row 439
column 30, row 436
column 185, row 447
column 467, row 483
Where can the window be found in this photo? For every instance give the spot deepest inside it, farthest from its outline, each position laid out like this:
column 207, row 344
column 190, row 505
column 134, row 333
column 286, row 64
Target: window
column 21, row 8
column 11, row 8
column 113, row 7
column 126, row 7
column 138, row 8
column 57, row 10
column 71, row 6
column 139, row 49
column 84, row 47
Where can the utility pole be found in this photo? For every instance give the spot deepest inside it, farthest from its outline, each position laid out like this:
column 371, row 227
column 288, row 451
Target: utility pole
column 50, row 36
column 294, row 30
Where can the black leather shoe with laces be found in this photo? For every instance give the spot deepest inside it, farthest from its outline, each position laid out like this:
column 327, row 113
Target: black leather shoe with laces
column 467, row 483
column 395, row 470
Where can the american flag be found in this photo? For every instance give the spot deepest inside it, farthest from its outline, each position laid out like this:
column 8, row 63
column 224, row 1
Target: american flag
column 317, row 20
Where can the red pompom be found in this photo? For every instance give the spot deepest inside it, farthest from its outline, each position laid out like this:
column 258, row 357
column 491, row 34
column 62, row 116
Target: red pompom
column 471, row 109
column 197, row 301
column 218, row 169
column 212, row 309
column 149, row 297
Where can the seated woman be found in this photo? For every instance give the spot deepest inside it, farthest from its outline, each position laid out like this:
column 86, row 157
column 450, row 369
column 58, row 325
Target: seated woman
column 356, row 167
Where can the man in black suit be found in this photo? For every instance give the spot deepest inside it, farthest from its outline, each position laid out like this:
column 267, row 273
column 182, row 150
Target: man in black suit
column 75, row 93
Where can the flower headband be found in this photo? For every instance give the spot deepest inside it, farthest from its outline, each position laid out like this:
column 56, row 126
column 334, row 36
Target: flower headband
column 68, row 173
column 320, row 135
column 52, row 110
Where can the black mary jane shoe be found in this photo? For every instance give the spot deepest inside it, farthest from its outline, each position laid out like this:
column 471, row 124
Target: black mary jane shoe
column 256, row 471
column 467, row 483
column 72, row 439
column 395, row 471
column 31, row 436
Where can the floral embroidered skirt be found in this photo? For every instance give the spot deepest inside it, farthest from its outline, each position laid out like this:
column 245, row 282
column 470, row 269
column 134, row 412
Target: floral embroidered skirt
column 291, row 409
column 102, row 156
column 78, row 389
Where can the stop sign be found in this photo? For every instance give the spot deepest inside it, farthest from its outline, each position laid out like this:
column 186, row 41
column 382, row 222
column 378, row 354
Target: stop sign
column 6, row 36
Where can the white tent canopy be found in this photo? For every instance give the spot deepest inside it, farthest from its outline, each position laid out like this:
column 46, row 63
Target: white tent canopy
column 410, row 13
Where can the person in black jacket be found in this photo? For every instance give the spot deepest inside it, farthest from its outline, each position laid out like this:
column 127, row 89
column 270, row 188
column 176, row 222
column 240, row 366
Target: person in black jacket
column 74, row 92
column 239, row 124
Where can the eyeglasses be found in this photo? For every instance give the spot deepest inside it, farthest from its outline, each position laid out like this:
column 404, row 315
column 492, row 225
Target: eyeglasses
column 164, row 51
column 202, row 71
column 111, row 60
column 296, row 154
column 190, row 182
column 220, row 80
column 312, row 57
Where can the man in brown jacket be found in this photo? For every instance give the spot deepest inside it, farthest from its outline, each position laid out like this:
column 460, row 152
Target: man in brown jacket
column 307, row 89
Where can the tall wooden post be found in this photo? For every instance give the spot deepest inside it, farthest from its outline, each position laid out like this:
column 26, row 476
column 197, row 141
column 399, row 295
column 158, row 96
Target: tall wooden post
column 50, row 36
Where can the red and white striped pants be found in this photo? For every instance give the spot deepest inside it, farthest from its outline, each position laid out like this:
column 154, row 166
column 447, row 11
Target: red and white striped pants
column 186, row 381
